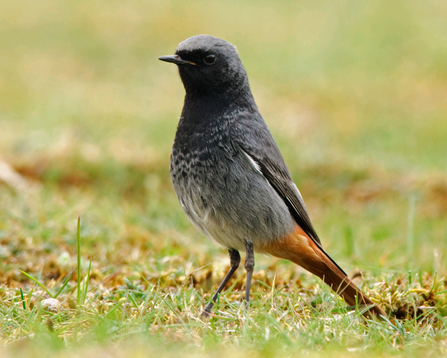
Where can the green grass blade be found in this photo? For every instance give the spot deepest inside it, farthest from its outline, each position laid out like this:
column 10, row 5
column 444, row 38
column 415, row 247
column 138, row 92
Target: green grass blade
column 64, row 284
column 78, row 243
column 134, row 303
column 108, row 314
column 87, row 280
column 23, row 299
column 37, row 282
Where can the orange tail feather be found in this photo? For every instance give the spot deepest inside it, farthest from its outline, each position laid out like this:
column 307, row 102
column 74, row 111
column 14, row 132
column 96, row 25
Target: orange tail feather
column 303, row 251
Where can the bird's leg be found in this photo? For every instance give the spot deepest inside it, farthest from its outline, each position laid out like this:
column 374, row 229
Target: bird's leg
column 249, row 266
column 235, row 259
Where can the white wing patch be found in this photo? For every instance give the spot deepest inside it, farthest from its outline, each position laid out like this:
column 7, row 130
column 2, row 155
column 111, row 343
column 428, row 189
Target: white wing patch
column 300, row 198
column 254, row 164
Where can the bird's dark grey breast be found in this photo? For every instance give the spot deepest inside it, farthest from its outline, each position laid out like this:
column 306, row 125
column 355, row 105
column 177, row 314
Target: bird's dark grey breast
column 222, row 192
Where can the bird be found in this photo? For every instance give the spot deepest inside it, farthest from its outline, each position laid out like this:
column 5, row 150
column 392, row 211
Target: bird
column 231, row 179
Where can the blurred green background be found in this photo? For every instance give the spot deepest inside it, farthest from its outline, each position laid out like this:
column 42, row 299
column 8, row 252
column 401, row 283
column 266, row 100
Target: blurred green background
column 355, row 93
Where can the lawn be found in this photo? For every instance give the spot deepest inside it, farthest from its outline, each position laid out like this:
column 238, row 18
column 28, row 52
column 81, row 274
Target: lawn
column 355, row 94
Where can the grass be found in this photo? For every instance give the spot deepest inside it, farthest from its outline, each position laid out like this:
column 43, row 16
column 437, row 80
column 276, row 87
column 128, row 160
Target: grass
column 354, row 94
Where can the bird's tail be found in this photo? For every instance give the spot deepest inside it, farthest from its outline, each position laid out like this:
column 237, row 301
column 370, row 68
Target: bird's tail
column 303, row 251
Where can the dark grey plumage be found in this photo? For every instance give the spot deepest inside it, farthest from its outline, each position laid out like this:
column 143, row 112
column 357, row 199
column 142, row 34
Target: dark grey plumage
column 221, row 139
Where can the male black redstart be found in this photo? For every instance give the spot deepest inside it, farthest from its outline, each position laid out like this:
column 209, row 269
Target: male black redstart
column 230, row 177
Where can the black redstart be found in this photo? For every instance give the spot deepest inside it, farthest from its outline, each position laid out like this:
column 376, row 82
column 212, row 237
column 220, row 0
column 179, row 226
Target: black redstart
column 230, row 177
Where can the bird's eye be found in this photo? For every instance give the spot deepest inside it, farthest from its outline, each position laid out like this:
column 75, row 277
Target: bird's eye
column 210, row 59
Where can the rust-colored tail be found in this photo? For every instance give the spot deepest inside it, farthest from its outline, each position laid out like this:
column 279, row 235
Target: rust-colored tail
column 302, row 250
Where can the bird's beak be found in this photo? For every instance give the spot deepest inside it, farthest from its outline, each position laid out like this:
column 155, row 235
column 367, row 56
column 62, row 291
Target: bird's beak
column 175, row 59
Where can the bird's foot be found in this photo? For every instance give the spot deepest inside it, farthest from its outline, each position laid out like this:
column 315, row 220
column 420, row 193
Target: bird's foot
column 206, row 313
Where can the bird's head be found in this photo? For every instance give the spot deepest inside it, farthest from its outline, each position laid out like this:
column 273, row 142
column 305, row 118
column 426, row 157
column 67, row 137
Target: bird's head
column 209, row 65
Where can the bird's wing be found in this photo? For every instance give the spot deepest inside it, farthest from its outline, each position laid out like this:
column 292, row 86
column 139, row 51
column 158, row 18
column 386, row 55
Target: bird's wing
column 251, row 135
column 256, row 141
